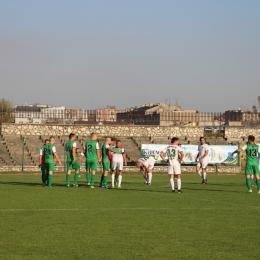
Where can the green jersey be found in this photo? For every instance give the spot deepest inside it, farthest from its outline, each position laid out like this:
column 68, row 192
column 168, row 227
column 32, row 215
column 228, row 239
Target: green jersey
column 49, row 152
column 105, row 153
column 42, row 152
column 252, row 151
column 69, row 150
column 79, row 156
column 91, row 148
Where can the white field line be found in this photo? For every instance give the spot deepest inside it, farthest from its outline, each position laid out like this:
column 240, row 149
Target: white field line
column 98, row 209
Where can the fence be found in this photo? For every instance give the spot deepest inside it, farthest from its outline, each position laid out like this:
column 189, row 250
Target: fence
column 31, row 115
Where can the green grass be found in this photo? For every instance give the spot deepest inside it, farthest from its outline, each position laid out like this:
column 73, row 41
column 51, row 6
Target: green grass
column 214, row 221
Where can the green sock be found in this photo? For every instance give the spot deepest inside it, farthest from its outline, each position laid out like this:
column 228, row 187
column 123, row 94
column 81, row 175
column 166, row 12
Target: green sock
column 47, row 177
column 105, row 181
column 68, row 179
column 101, row 180
column 43, row 177
column 76, row 177
column 248, row 183
column 116, row 177
column 50, row 180
column 88, row 177
column 93, row 177
column 258, row 184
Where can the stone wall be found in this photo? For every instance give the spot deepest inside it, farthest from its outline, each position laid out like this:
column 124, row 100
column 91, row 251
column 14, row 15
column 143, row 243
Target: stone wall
column 60, row 130
column 189, row 169
column 241, row 132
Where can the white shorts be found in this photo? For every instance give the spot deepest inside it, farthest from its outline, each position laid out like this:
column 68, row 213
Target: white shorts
column 175, row 168
column 117, row 163
column 203, row 164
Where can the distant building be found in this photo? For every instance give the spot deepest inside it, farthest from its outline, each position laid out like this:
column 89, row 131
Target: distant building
column 38, row 114
column 108, row 114
column 166, row 115
column 75, row 114
column 241, row 118
column 28, row 114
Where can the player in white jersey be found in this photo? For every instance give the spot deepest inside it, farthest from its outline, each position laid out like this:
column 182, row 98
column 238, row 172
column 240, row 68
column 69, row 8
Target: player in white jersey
column 118, row 161
column 202, row 159
column 146, row 166
column 174, row 156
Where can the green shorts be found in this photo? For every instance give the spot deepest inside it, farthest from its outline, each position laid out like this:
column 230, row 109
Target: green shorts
column 50, row 166
column 69, row 165
column 106, row 165
column 252, row 168
column 76, row 165
column 91, row 165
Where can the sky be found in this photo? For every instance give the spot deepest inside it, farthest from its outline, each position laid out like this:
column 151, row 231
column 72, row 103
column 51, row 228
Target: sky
column 202, row 54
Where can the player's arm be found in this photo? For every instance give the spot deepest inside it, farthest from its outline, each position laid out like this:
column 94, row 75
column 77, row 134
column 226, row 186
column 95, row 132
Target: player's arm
column 74, row 152
column 112, row 151
column 204, row 155
column 197, row 156
column 181, row 156
column 57, row 158
column 40, row 158
column 162, row 155
column 239, row 150
column 98, row 155
column 124, row 157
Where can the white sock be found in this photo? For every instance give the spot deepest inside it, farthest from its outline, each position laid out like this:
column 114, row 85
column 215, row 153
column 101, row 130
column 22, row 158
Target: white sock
column 179, row 184
column 113, row 179
column 172, row 183
column 253, row 177
column 204, row 176
column 150, row 175
column 119, row 180
column 146, row 180
column 200, row 174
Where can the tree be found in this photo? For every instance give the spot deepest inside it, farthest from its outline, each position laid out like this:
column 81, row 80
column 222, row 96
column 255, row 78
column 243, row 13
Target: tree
column 6, row 111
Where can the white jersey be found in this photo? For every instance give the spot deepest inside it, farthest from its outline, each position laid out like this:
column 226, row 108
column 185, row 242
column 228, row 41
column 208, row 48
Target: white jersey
column 172, row 152
column 149, row 163
column 118, row 156
column 202, row 148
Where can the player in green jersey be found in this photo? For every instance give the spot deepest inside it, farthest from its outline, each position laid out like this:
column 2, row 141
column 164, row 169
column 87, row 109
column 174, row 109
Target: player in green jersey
column 45, row 174
column 92, row 153
column 252, row 151
column 106, row 160
column 49, row 156
column 70, row 150
column 76, row 166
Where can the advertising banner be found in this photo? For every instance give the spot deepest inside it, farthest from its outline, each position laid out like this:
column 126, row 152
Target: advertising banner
column 217, row 153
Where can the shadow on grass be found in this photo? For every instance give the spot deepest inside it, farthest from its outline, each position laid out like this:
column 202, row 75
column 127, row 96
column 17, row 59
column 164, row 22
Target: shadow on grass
column 36, row 184
column 81, row 185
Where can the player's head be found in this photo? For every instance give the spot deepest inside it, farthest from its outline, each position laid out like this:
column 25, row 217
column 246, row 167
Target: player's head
column 77, row 150
column 175, row 140
column 72, row 136
column 52, row 139
column 251, row 139
column 94, row 136
column 108, row 140
column 46, row 141
column 202, row 140
column 138, row 164
column 118, row 143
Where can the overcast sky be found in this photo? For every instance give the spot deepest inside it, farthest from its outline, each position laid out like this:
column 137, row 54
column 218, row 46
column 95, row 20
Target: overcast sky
column 90, row 54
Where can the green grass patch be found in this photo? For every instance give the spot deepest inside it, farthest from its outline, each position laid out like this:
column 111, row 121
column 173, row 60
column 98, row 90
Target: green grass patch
column 214, row 221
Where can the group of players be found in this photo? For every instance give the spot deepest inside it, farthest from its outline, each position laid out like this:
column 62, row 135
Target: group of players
column 113, row 158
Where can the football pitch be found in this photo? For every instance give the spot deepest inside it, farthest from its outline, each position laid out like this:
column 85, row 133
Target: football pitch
column 214, row 221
